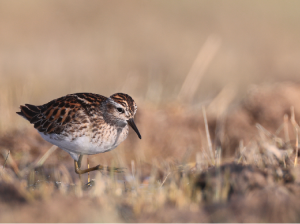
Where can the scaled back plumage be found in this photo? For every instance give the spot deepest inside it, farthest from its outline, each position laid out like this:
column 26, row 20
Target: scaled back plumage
column 53, row 116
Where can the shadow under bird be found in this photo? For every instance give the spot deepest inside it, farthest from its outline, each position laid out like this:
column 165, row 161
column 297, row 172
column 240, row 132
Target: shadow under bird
column 84, row 123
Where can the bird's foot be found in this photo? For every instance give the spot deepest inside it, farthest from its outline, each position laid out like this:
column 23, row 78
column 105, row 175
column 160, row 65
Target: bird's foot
column 115, row 169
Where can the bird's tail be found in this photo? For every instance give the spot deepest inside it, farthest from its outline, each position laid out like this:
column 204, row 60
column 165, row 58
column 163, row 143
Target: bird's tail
column 29, row 112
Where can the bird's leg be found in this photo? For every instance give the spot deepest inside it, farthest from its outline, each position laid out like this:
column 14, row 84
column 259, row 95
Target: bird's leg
column 79, row 171
column 88, row 164
column 99, row 167
column 79, row 165
column 79, row 160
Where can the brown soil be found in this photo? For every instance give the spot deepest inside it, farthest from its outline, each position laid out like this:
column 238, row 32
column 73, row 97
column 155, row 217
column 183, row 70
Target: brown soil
column 256, row 184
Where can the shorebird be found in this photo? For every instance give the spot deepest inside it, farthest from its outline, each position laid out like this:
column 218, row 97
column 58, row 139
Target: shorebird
column 84, row 123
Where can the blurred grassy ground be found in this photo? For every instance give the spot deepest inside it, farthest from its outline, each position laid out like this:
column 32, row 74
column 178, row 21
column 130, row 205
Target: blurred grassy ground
column 210, row 52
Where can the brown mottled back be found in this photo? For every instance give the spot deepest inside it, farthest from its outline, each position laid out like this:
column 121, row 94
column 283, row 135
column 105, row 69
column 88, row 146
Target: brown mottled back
column 52, row 117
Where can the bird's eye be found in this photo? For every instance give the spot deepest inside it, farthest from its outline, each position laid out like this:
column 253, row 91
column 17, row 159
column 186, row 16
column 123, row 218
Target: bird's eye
column 121, row 110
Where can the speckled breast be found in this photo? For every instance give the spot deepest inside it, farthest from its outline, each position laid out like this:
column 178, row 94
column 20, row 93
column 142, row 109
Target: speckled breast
column 109, row 137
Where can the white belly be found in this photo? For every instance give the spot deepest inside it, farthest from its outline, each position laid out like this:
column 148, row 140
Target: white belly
column 85, row 145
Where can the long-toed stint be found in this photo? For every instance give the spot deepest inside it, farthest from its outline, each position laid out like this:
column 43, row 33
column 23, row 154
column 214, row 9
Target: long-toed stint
column 84, row 123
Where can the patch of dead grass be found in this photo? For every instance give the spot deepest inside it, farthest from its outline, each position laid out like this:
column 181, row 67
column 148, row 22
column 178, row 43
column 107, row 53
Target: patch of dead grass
column 169, row 176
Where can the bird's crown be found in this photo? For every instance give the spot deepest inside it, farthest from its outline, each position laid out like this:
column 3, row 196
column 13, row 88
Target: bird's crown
column 126, row 101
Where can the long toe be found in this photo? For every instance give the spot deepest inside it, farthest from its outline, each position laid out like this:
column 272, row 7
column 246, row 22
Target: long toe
column 99, row 167
column 116, row 169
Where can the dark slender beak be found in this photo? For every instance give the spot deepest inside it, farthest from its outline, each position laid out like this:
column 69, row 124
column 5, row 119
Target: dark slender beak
column 132, row 124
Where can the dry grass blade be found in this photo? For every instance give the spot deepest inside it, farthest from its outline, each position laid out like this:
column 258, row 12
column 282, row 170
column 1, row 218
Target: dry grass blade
column 40, row 161
column 263, row 131
column 200, row 65
column 6, row 159
column 9, row 160
column 208, row 136
column 45, row 156
column 165, row 179
column 242, row 150
column 286, row 128
column 220, row 104
column 296, row 154
column 296, row 127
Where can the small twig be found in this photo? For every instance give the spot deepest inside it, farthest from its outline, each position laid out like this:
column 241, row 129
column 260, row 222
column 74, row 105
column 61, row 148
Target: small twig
column 208, row 136
column 296, row 157
column 132, row 168
column 165, row 179
column 279, row 130
column 198, row 162
column 296, row 126
column 9, row 159
column 263, row 130
column 242, row 149
column 6, row 159
column 293, row 120
column 286, row 128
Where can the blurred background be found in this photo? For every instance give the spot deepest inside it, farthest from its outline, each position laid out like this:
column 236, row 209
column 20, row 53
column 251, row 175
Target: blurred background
column 144, row 48
column 235, row 61
column 172, row 57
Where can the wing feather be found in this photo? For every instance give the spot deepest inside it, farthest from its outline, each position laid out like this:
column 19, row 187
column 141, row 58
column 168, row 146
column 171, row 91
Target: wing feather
column 54, row 116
